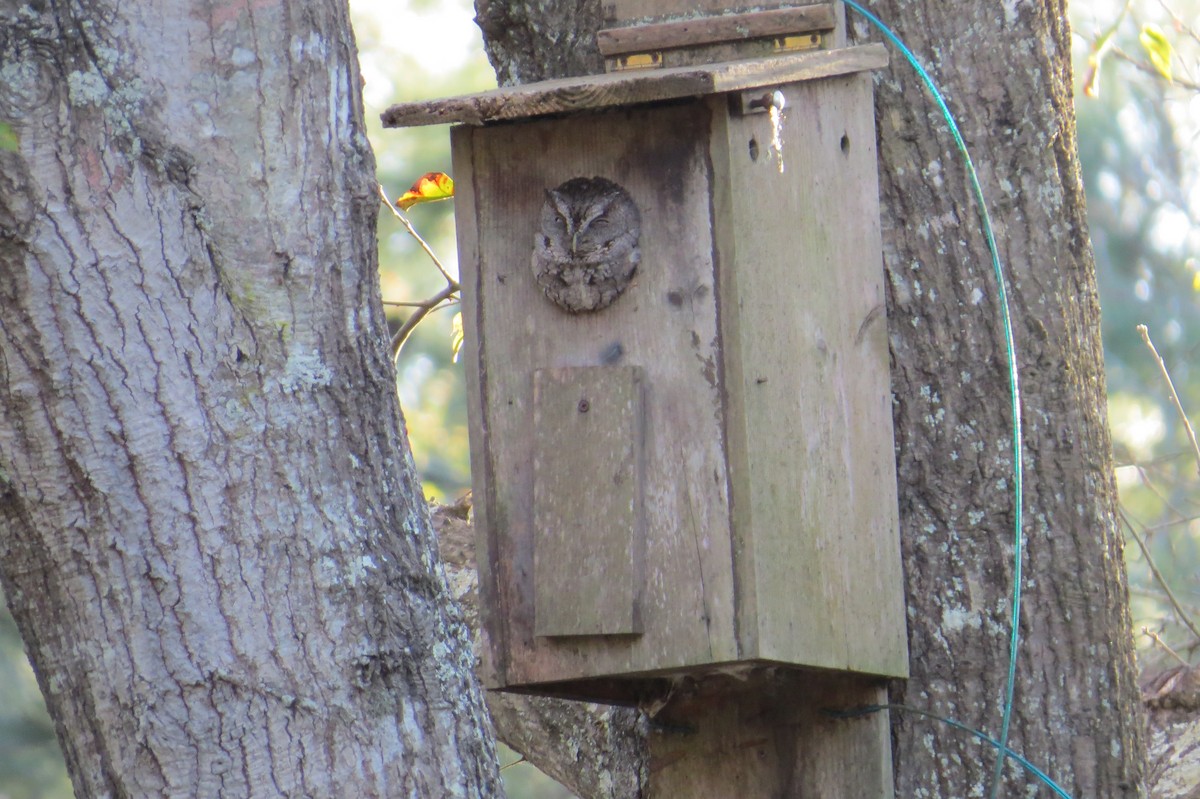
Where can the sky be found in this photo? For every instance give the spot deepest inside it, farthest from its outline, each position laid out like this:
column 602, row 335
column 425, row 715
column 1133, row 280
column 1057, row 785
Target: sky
column 424, row 40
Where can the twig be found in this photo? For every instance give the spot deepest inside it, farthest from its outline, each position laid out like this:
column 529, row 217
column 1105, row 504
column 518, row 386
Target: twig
column 425, row 307
column 422, row 304
column 516, row 762
column 1146, row 631
column 1179, row 22
column 424, row 310
column 1158, row 577
column 1185, row 521
column 413, row 232
column 1152, row 461
column 1146, row 593
column 1145, row 333
column 1150, row 486
column 1149, row 69
column 1183, row 27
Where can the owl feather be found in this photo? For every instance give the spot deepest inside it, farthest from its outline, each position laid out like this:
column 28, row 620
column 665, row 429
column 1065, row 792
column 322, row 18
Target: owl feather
column 587, row 249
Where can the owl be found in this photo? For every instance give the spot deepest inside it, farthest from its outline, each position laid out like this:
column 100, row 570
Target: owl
column 587, row 249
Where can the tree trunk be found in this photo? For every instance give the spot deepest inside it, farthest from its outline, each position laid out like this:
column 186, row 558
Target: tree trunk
column 211, row 536
column 1077, row 713
column 1007, row 74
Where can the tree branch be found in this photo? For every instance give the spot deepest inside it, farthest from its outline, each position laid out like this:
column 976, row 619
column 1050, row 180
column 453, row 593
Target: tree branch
column 426, row 307
column 1158, row 577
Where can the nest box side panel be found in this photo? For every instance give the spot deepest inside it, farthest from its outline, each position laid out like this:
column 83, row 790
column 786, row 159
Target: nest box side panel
column 663, row 325
column 494, row 663
column 811, row 443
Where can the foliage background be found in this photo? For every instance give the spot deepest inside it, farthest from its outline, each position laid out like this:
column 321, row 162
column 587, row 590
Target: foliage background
column 1139, row 142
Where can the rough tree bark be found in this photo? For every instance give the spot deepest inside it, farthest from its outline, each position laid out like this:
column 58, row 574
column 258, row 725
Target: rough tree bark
column 1006, row 69
column 1173, row 705
column 1077, row 707
column 211, row 536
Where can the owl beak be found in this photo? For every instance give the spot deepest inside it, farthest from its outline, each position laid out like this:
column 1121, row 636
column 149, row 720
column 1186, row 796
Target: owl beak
column 574, row 242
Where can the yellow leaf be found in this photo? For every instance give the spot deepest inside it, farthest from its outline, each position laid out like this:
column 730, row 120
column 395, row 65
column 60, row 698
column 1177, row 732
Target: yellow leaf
column 1196, row 281
column 456, row 336
column 1158, row 47
column 430, row 187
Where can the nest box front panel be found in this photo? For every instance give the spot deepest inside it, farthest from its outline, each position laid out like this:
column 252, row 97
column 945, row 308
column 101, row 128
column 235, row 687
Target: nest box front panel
column 594, row 373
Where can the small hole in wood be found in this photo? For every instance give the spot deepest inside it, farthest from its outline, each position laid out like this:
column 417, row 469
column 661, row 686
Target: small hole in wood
column 754, row 149
column 612, row 353
column 584, row 406
column 845, row 143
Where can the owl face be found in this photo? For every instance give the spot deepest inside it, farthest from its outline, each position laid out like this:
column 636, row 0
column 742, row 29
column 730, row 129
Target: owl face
column 587, row 249
column 587, row 217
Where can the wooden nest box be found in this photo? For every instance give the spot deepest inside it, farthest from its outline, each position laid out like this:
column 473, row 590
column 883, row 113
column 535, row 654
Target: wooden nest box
column 677, row 359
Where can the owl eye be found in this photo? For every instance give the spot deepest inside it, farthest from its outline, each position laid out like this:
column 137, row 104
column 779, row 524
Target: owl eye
column 600, row 223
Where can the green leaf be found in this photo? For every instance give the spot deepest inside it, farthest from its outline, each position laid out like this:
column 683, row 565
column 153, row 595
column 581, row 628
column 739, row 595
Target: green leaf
column 1158, row 47
column 8, row 138
column 456, row 336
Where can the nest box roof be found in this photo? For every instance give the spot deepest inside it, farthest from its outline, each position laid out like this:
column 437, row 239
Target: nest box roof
column 633, row 87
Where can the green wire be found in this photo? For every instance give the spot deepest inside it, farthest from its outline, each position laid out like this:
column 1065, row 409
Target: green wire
column 1018, row 473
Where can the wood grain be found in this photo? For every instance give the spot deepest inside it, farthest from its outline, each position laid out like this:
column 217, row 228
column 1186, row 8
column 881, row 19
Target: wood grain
column 665, row 324
column 707, row 30
column 569, row 95
column 626, row 11
column 810, row 430
column 587, row 495
column 772, row 733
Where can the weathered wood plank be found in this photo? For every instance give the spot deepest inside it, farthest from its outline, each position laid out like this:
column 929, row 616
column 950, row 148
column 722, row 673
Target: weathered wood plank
column 589, row 535
column 708, row 30
column 593, row 92
column 722, row 51
column 627, row 11
column 665, row 323
column 492, row 578
column 810, row 436
column 772, row 734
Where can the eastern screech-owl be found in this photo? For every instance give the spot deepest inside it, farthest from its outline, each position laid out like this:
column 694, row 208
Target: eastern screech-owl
column 587, row 249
